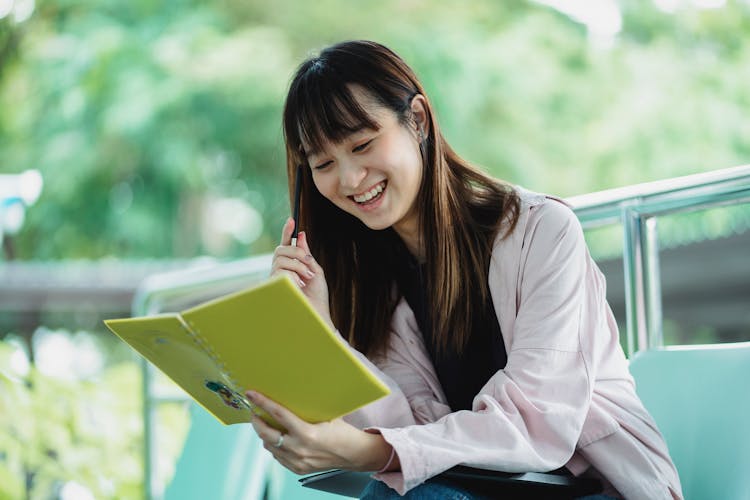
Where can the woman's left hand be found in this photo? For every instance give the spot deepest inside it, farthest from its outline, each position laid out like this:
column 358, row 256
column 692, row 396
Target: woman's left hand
column 306, row 448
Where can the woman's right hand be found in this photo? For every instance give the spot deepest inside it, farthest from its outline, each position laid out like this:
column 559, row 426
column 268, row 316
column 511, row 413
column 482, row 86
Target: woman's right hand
column 298, row 263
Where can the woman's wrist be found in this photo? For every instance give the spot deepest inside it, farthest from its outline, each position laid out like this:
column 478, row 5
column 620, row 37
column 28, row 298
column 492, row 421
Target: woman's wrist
column 377, row 455
column 388, row 464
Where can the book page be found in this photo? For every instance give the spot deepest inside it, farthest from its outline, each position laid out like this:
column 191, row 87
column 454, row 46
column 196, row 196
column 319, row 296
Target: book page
column 272, row 341
column 166, row 342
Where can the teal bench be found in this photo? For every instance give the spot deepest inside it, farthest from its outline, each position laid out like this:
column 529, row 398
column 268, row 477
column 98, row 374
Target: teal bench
column 700, row 399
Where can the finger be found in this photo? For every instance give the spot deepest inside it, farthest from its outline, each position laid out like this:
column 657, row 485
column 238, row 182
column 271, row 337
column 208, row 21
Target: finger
column 286, row 418
column 285, row 451
column 289, row 251
column 302, row 241
column 265, row 432
column 289, row 464
column 294, row 276
column 304, row 244
column 288, row 264
column 286, row 232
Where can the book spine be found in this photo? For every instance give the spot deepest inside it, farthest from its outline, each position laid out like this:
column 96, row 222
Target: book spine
column 199, row 339
column 195, row 334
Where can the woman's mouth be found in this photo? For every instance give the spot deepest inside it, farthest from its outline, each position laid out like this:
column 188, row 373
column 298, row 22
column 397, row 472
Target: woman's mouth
column 371, row 196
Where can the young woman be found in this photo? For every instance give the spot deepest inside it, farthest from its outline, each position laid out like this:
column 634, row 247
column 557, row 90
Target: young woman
column 476, row 301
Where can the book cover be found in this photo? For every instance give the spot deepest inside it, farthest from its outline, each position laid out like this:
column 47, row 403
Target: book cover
column 267, row 338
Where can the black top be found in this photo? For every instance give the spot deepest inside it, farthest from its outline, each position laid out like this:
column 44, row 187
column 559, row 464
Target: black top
column 460, row 376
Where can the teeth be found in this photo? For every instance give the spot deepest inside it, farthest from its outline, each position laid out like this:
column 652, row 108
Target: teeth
column 372, row 193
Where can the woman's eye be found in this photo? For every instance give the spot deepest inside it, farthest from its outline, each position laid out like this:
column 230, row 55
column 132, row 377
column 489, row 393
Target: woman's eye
column 322, row 165
column 361, row 147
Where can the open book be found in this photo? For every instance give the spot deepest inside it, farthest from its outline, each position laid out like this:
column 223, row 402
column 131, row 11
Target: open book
column 267, row 338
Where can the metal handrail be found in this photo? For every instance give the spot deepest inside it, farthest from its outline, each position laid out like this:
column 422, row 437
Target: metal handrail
column 690, row 192
column 635, row 207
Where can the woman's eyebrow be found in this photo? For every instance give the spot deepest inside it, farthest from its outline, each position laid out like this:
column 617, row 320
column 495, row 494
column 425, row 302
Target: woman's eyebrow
column 310, row 152
column 314, row 151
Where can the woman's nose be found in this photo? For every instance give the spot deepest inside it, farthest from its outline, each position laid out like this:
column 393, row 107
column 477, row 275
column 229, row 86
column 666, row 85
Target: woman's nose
column 351, row 175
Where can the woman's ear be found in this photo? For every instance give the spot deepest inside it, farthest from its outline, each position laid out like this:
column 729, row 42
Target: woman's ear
column 419, row 114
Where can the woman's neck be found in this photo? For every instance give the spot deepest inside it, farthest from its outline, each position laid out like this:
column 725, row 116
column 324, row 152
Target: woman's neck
column 408, row 231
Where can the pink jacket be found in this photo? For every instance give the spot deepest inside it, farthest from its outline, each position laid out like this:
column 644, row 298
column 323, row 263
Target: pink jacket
column 565, row 396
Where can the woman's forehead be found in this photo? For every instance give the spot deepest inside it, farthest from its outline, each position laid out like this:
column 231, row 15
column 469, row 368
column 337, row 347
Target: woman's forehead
column 314, row 142
column 327, row 143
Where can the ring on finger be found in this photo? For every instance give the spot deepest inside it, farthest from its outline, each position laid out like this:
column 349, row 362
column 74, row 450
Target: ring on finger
column 280, row 442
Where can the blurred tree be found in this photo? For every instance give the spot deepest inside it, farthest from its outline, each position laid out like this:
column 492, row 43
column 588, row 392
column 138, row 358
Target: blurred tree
column 9, row 37
column 74, row 433
column 157, row 126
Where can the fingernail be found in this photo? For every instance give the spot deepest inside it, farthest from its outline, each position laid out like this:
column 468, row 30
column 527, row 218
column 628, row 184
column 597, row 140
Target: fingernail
column 302, row 284
column 309, row 274
column 308, row 257
column 250, row 394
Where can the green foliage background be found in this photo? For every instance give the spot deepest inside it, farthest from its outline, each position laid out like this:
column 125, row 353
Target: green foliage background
column 138, row 112
column 55, row 431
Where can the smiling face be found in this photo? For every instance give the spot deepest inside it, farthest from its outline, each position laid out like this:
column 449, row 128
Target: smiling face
column 374, row 174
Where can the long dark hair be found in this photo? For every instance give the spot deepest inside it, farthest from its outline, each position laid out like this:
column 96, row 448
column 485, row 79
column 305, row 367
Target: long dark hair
column 461, row 209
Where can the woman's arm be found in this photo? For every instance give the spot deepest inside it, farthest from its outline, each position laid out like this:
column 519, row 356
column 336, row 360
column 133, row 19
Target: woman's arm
column 529, row 415
column 409, row 373
column 335, row 444
column 305, row 448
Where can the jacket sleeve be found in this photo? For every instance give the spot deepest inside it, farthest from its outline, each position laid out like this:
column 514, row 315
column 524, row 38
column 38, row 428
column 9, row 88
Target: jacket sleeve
column 392, row 410
column 414, row 376
column 528, row 416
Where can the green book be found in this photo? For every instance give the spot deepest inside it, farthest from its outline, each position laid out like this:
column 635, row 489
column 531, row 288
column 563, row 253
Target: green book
column 267, row 338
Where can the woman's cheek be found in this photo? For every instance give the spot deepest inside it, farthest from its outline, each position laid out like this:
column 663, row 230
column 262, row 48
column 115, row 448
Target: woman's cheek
column 321, row 184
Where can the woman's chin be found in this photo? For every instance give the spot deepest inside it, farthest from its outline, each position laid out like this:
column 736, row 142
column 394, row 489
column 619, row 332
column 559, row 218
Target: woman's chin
column 375, row 226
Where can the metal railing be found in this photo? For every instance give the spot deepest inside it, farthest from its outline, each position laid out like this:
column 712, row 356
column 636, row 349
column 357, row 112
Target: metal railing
column 636, row 208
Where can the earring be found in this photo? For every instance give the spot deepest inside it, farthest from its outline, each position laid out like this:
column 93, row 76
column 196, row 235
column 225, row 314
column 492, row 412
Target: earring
column 421, row 136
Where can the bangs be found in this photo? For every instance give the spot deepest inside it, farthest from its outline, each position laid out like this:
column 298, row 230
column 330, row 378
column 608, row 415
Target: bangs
column 326, row 111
